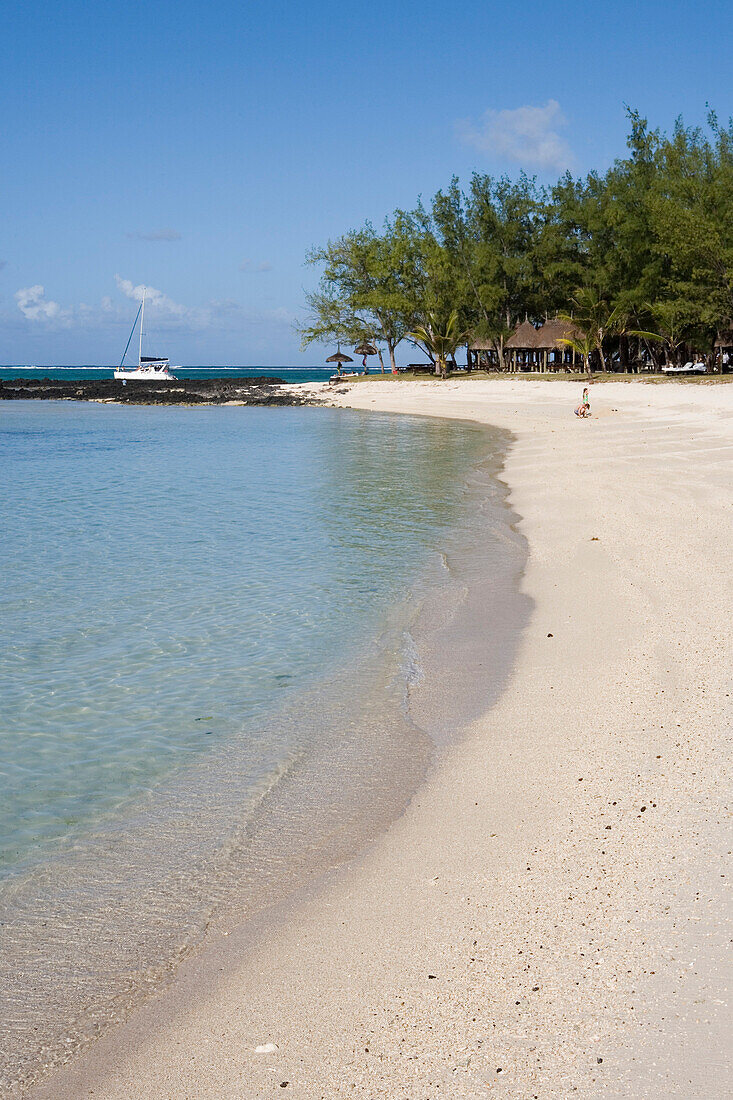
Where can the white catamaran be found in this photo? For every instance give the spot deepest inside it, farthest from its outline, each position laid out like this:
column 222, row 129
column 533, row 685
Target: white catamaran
column 149, row 368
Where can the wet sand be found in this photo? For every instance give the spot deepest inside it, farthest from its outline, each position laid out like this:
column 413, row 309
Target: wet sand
column 550, row 916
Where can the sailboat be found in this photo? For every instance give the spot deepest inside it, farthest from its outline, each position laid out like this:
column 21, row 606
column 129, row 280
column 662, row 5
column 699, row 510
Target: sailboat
column 150, row 368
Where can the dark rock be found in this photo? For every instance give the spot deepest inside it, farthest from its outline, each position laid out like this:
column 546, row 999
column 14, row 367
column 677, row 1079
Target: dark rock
column 188, row 391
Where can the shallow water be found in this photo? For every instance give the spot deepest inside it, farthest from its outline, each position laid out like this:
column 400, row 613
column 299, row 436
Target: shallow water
column 223, row 646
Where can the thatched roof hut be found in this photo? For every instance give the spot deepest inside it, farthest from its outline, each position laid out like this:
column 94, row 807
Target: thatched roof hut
column 524, row 336
column 546, row 337
column 530, row 347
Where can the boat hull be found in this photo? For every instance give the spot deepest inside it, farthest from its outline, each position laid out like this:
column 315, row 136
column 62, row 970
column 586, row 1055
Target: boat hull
column 145, row 376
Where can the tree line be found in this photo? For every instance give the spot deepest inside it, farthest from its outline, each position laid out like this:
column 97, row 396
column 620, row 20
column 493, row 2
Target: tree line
column 641, row 258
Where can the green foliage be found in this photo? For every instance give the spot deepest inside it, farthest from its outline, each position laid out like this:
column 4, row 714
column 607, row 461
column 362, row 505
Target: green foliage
column 440, row 337
column 370, row 287
column 639, row 258
column 583, row 345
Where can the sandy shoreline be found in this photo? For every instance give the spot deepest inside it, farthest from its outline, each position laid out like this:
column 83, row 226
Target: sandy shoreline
column 549, row 917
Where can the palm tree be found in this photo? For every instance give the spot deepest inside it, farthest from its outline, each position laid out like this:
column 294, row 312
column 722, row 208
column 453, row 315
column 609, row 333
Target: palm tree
column 595, row 319
column 583, row 344
column 673, row 321
column 440, row 339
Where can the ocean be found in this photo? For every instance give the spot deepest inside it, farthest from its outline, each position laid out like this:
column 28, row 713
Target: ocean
column 222, row 631
column 94, row 373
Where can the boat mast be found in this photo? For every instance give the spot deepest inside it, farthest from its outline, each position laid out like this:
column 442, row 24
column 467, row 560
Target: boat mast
column 142, row 322
column 129, row 338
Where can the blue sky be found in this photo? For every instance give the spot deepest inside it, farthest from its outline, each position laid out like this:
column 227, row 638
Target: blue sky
column 202, row 148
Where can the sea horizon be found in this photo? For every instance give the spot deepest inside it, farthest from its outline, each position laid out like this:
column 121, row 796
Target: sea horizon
column 93, row 371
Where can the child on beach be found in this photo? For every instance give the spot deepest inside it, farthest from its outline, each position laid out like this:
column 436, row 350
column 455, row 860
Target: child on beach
column 583, row 408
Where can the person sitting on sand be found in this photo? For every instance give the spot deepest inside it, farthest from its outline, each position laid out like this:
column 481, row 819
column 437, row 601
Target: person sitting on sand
column 583, row 408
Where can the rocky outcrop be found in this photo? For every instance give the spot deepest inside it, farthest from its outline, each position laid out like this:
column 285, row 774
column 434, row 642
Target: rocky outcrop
column 189, row 391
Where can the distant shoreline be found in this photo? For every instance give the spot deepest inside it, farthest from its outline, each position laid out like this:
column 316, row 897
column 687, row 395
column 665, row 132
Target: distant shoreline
column 272, row 390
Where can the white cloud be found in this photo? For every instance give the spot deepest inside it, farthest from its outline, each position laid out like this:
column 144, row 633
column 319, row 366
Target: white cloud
column 225, row 313
column 248, row 265
column 112, row 313
column 153, row 297
column 156, row 235
column 527, row 135
column 35, row 306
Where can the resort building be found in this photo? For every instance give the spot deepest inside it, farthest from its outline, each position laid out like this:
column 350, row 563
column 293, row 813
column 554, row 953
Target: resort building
column 529, row 348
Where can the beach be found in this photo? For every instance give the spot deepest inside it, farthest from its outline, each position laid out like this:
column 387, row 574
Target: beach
column 549, row 917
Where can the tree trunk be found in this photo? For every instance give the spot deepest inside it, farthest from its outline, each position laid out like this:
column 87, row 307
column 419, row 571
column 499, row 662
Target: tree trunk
column 623, row 347
column 392, row 360
column 381, row 361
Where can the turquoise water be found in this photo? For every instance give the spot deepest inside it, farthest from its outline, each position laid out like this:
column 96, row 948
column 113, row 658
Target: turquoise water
column 92, row 373
column 211, row 638
column 169, row 575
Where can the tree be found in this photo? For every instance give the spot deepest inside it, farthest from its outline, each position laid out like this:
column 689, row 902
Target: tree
column 583, row 345
column 489, row 237
column 656, row 228
column 369, row 288
column 440, row 338
column 691, row 208
column 674, row 326
column 594, row 317
column 562, row 248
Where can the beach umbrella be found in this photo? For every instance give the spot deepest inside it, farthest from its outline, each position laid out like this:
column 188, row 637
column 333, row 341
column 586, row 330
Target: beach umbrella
column 338, row 359
column 365, row 349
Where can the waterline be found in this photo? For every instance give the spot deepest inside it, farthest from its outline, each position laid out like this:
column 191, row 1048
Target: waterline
column 312, row 771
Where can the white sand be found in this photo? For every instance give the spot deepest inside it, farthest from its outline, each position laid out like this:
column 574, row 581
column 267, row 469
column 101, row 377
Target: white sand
column 549, row 917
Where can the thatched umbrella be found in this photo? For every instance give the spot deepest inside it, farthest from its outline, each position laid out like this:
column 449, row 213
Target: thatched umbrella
column 339, row 358
column 365, row 349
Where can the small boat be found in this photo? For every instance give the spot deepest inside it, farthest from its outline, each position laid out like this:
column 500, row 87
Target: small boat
column 345, row 376
column 150, row 368
column 686, row 368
